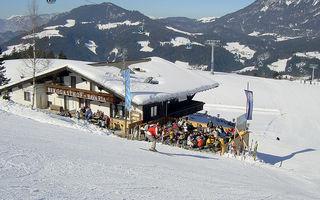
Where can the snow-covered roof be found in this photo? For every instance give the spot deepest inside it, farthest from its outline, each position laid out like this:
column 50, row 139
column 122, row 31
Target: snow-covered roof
column 174, row 80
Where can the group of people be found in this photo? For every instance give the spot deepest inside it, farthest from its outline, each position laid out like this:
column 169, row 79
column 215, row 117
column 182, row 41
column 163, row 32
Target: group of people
column 184, row 134
column 86, row 113
column 179, row 133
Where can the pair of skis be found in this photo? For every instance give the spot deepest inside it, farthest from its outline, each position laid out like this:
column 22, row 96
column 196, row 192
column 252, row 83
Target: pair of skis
column 155, row 151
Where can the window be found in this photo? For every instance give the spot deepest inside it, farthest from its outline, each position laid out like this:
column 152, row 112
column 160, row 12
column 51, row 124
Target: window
column 154, row 111
column 117, row 111
column 61, row 81
column 27, row 96
column 87, row 103
column 73, row 81
column 120, row 113
column 113, row 110
column 91, row 86
column 81, row 103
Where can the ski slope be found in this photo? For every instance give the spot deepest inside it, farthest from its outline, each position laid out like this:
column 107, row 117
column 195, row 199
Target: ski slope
column 44, row 156
column 284, row 109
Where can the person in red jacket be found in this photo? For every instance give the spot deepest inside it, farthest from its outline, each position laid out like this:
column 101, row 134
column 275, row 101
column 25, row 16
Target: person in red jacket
column 152, row 134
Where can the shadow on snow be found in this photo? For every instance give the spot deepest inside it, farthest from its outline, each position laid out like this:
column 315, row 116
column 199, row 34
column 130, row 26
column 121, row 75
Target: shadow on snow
column 187, row 155
column 273, row 159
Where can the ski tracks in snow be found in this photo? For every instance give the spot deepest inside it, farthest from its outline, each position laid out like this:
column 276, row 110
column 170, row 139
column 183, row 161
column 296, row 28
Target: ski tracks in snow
column 19, row 165
column 16, row 163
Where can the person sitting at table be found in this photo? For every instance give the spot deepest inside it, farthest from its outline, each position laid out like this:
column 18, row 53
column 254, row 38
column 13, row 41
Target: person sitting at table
column 102, row 123
column 88, row 113
column 210, row 142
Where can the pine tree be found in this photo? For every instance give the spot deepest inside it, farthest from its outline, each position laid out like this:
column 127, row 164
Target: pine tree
column 3, row 80
column 50, row 54
column 62, row 56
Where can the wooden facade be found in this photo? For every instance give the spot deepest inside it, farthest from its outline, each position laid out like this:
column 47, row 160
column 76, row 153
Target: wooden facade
column 83, row 94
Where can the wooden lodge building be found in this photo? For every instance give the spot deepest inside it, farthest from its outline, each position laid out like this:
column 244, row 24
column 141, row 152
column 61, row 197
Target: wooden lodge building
column 159, row 88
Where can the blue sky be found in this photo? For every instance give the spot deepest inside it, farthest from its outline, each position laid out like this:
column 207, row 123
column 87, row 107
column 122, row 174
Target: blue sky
column 156, row 8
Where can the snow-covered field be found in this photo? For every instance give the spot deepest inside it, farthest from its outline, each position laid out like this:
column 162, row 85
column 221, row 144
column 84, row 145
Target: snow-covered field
column 242, row 50
column 92, row 46
column 180, row 41
column 16, row 48
column 279, row 66
column 51, row 31
column 116, row 24
column 43, row 156
column 145, row 46
column 183, row 32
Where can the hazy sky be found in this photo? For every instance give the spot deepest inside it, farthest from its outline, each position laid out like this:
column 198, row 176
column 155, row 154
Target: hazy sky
column 156, row 8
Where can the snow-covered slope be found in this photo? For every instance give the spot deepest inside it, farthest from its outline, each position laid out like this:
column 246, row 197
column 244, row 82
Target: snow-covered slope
column 51, row 157
column 286, row 19
column 57, row 162
column 284, row 109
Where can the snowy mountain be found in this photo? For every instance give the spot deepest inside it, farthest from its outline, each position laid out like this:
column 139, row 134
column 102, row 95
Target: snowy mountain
column 279, row 30
column 72, row 159
column 6, row 36
column 105, row 29
column 14, row 25
column 262, row 32
column 18, row 23
column 278, row 18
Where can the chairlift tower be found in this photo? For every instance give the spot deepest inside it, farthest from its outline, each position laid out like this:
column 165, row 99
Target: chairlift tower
column 213, row 43
column 313, row 67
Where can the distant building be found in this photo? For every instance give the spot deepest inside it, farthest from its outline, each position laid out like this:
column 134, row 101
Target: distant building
column 159, row 88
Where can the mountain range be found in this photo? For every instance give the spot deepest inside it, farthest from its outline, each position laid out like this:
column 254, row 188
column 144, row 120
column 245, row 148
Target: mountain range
column 255, row 38
column 16, row 24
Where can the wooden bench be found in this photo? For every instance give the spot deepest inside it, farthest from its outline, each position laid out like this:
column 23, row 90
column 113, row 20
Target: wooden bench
column 56, row 108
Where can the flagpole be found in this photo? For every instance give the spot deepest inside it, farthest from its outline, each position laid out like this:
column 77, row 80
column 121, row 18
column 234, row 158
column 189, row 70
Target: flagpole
column 125, row 111
column 247, row 101
column 247, row 105
column 125, row 94
column 247, row 119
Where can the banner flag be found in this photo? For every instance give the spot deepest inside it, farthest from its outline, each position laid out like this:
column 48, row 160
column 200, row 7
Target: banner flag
column 126, row 76
column 249, row 95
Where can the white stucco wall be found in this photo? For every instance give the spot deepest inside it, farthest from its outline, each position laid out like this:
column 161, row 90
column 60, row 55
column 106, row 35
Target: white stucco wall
column 72, row 103
column 42, row 99
column 17, row 95
column 56, row 99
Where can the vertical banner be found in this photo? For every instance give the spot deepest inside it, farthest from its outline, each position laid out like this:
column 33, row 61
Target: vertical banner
column 249, row 95
column 126, row 76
